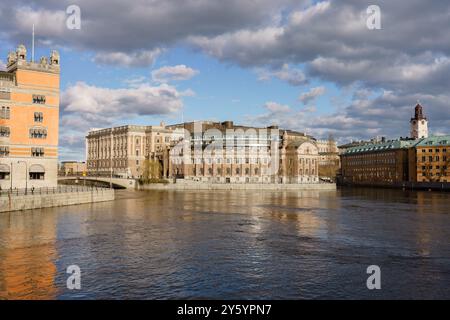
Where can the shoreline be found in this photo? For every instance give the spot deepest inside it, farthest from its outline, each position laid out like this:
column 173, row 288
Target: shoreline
column 243, row 186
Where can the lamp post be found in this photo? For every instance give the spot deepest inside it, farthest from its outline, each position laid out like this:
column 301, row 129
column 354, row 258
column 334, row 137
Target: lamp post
column 111, row 160
column 26, row 175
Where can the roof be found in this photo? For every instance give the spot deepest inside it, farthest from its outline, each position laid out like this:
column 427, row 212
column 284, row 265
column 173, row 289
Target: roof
column 298, row 143
column 378, row 147
column 435, row 141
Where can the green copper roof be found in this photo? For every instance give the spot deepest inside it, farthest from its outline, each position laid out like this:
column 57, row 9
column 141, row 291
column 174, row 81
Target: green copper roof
column 435, row 141
column 384, row 146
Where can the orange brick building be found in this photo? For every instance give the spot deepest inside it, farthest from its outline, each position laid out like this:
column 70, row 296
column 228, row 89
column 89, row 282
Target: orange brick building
column 29, row 120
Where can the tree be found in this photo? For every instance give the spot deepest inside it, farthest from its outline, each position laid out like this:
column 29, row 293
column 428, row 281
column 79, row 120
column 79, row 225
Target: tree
column 330, row 162
column 152, row 171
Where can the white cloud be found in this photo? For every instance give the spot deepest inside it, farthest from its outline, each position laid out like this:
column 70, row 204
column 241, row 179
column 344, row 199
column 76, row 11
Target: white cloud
column 143, row 100
column 311, row 95
column 293, row 76
column 86, row 106
column 135, row 59
column 2, row 66
column 173, row 73
column 274, row 107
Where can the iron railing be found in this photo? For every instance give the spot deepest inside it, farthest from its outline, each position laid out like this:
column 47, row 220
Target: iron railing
column 56, row 190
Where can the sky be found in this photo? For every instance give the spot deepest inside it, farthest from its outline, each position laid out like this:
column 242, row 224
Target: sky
column 312, row 66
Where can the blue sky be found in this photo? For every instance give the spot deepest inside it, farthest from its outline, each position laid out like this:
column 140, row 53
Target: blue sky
column 311, row 66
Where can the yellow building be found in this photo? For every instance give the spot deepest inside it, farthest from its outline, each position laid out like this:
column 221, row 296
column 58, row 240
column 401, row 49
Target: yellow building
column 432, row 160
column 29, row 119
column 72, row 168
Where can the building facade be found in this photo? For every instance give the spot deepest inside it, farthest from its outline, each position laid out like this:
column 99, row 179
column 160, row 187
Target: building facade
column 376, row 164
column 29, row 119
column 218, row 152
column 431, row 158
column 416, row 159
column 122, row 151
column 72, row 168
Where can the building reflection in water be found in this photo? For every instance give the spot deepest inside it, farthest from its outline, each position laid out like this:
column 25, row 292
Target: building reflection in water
column 27, row 256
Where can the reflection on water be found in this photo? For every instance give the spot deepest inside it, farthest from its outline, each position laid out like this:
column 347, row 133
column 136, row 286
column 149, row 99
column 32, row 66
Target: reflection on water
column 27, row 255
column 231, row 244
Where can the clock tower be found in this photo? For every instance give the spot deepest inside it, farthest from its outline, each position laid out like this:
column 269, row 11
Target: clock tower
column 419, row 124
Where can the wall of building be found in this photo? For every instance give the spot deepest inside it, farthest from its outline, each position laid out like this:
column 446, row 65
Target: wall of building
column 433, row 164
column 33, row 104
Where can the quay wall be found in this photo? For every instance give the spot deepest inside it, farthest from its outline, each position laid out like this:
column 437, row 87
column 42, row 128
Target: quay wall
column 235, row 186
column 433, row 186
column 12, row 202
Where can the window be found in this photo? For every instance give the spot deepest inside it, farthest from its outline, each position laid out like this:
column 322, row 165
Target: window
column 4, row 151
column 228, row 171
column 5, row 113
column 38, row 99
column 37, row 152
column 4, row 175
column 37, row 175
column 38, row 117
column 4, row 172
column 4, row 131
column 38, row 133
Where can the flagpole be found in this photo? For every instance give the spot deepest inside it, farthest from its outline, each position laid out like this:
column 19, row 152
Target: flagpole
column 32, row 47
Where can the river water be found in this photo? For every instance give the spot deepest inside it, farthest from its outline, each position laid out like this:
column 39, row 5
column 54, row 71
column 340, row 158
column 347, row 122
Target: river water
column 232, row 245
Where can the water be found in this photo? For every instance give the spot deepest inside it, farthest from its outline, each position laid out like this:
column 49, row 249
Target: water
column 232, row 245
